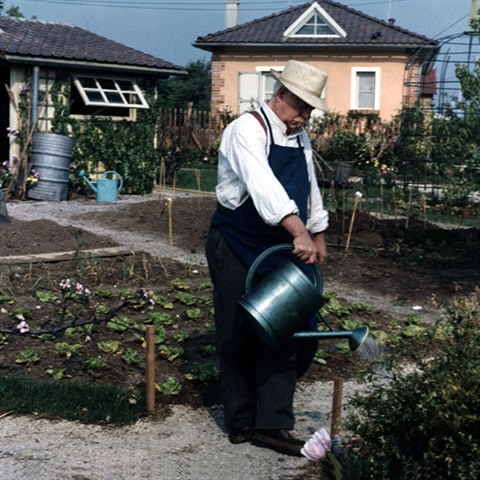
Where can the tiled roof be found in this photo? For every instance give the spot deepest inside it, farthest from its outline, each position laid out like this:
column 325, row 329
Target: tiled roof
column 56, row 41
column 361, row 29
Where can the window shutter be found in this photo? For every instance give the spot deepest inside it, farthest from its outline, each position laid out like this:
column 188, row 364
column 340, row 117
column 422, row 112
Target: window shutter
column 249, row 91
column 366, row 90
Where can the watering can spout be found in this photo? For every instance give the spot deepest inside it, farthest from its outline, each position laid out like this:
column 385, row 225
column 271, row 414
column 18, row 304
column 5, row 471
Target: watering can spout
column 356, row 338
column 82, row 174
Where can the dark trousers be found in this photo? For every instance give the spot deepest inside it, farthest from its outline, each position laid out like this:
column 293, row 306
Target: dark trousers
column 257, row 381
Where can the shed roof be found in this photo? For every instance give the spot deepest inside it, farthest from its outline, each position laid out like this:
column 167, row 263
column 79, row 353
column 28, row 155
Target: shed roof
column 31, row 41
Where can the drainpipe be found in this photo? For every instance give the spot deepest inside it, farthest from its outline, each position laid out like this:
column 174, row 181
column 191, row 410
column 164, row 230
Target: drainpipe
column 232, row 13
column 36, row 75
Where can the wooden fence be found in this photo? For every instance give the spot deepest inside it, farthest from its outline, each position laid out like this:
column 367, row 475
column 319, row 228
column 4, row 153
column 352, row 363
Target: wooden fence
column 189, row 129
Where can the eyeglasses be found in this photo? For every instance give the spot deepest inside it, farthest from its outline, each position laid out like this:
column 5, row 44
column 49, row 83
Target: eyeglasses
column 297, row 103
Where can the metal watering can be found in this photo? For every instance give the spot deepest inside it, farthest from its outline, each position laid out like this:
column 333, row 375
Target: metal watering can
column 106, row 189
column 285, row 299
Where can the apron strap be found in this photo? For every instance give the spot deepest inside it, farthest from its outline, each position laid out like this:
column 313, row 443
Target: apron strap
column 260, row 120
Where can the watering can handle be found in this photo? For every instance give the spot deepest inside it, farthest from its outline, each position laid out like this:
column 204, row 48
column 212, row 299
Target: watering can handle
column 120, row 183
column 318, row 279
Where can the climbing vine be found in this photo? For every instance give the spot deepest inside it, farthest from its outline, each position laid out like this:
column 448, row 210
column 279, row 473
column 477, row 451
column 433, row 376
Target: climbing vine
column 126, row 147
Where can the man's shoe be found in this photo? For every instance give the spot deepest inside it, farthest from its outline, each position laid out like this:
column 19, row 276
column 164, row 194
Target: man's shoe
column 281, row 441
column 240, row 435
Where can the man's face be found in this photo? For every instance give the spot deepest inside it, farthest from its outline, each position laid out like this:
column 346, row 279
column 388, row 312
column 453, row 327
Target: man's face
column 294, row 112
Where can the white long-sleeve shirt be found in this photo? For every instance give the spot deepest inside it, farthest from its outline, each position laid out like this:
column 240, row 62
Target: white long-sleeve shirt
column 243, row 171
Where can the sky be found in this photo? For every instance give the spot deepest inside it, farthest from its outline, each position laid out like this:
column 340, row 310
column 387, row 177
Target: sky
column 166, row 28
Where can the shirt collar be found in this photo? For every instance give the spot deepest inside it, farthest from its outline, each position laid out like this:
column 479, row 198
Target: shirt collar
column 278, row 123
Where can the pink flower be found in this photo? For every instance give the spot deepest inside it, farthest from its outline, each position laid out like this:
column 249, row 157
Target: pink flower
column 23, row 327
column 323, row 437
column 317, row 446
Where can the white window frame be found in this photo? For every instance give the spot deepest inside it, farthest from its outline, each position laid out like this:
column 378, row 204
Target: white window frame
column 292, row 30
column 263, row 72
column 119, row 92
column 354, row 95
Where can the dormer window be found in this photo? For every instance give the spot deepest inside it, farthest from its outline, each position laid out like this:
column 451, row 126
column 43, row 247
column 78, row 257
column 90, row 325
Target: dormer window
column 315, row 26
column 315, row 22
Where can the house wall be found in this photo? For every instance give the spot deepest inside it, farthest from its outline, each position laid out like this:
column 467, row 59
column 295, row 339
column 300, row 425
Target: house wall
column 227, row 67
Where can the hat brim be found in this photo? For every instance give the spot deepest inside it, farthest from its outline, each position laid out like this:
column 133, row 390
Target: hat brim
column 303, row 94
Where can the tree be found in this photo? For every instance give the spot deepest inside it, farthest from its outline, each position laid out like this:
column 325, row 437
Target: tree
column 195, row 89
column 14, row 11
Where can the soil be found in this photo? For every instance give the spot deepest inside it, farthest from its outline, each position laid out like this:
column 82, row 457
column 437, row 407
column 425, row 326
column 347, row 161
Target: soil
column 394, row 266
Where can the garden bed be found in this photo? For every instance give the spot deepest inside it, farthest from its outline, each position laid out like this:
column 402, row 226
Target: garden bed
column 390, row 266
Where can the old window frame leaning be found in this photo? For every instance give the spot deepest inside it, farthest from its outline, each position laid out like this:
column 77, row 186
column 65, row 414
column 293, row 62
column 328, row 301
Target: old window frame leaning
column 109, row 92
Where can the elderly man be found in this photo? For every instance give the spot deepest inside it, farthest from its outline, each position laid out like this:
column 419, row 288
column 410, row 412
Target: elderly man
column 267, row 195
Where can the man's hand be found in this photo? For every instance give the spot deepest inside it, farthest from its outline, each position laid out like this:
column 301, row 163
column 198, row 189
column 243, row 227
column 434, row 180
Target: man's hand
column 305, row 248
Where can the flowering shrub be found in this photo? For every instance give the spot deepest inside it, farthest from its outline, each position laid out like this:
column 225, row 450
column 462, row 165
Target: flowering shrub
column 7, row 171
column 424, row 424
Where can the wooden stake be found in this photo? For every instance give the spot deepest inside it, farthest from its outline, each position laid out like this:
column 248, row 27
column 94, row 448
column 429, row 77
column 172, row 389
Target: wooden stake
column 163, row 181
column 336, row 406
column 352, row 220
column 150, row 369
column 170, row 226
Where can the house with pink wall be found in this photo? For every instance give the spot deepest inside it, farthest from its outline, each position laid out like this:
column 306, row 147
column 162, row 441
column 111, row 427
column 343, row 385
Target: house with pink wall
column 374, row 66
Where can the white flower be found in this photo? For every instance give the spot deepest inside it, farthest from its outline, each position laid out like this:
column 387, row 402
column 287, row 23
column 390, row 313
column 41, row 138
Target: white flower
column 358, row 194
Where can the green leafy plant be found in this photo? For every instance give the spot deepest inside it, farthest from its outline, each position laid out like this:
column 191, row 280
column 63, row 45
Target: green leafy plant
column 208, row 350
column 180, row 284
column 205, row 372
column 170, row 352
column 186, row 298
column 45, row 296
column 27, row 356
column 103, row 292
column 321, row 356
column 102, row 310
column 132, row 357
column 57, row 373
column 163, row 301
column 194, row 313
column 159, row 318
column 181, row 336
column 67, row 350
column 94, row 364
column 45, row 337
column 110, row 346
column 171, row 386
column 121, row 324
column 6, row 300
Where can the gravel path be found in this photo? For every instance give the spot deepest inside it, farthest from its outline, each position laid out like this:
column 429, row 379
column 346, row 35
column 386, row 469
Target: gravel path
column 189, row 444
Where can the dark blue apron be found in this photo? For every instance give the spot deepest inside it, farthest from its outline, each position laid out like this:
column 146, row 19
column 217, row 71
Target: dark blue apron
column 244, row 230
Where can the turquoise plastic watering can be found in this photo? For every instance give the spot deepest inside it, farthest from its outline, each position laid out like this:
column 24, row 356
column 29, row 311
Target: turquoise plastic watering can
column 106, row 188
column 283, row 301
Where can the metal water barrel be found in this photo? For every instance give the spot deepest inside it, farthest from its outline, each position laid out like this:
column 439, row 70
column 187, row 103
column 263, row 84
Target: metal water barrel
column 51, row 155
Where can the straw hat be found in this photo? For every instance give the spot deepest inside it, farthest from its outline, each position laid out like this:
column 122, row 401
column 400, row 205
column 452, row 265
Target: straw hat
column 305, row 81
